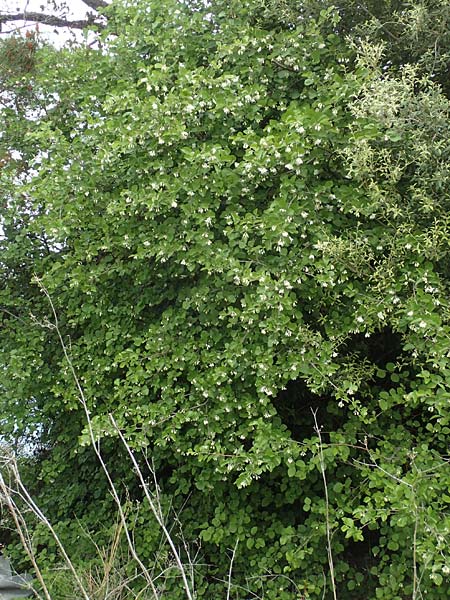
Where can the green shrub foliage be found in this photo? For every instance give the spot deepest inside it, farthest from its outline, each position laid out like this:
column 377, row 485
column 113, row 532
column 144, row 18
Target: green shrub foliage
column 242, row 223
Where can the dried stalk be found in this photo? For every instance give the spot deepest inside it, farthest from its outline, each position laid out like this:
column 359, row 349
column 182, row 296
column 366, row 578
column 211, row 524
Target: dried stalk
column 327, row 506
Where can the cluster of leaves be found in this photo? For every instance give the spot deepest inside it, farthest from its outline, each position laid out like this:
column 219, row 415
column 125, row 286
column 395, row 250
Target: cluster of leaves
column 243, row 227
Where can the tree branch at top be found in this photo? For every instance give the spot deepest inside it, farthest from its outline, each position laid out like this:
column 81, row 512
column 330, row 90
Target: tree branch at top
column 96, row 4
column 56, row 21
column 51, row 20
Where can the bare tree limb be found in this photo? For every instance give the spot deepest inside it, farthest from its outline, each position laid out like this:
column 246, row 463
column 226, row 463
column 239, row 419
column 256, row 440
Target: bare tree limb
column 52, row 20
column 56, row 21
column 96, row 4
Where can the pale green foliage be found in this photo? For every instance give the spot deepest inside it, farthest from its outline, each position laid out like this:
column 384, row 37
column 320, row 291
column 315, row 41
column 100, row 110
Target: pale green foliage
column 411, row 169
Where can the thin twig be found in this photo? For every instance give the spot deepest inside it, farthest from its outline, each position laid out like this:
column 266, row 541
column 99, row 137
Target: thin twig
column 155, row 510
column 231, row 568
column 415, row 578
column 83, row 402
column 24, row 494
column 22, row 530
column 327, row 505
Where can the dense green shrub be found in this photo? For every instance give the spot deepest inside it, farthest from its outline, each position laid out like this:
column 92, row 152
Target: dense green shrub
column 243, row 229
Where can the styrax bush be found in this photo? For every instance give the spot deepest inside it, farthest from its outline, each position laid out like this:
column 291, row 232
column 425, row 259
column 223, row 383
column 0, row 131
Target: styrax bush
column 242, row 228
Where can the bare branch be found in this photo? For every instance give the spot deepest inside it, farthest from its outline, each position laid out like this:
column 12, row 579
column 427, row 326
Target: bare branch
column 95, row 4
column 327, row 505
column 230, row 570
column 156, row 510
column 52, row 20
column 95, row 445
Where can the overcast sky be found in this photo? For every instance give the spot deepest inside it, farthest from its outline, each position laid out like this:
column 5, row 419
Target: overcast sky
column 77, row 8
